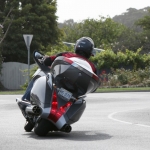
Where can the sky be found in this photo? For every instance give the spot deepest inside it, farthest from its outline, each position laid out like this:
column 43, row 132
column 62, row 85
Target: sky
column 79, row 10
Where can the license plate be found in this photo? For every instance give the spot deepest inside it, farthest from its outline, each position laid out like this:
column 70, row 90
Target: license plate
column 65, row 94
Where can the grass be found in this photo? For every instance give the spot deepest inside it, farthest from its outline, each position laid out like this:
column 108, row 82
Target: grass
column 137, row 89
column 99, row 90
column 18, row 92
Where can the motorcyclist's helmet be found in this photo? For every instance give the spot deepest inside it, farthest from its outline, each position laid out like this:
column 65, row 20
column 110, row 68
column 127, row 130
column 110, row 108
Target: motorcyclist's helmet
column 85, row 47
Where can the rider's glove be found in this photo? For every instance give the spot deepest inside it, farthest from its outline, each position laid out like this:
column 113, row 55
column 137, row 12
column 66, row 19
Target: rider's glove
column 47, row 61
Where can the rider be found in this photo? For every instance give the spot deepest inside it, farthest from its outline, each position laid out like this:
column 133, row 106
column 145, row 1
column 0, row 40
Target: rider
column 84, row 48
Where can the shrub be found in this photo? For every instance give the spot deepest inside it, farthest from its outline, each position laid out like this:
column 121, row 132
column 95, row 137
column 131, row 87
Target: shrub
column 109, row 59
column 120, row 77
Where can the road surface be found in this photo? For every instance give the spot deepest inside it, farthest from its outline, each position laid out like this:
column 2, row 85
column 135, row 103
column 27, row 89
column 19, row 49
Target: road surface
column 111, row 121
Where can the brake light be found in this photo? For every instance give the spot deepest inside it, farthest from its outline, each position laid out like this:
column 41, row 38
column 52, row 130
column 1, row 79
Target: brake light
column 56, row 112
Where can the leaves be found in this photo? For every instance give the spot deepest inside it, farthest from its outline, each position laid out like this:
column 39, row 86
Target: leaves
column 30, row 17
column 109, row 59
column 144, row 22
column 103, row 31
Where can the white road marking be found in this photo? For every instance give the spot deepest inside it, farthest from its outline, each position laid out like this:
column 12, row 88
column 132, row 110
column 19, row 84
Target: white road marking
column 110, row 116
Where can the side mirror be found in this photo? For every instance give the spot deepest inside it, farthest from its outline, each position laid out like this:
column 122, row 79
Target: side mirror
column 38, row 55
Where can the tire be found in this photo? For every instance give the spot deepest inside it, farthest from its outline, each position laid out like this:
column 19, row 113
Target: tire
column 28, row 127
column 42, row 127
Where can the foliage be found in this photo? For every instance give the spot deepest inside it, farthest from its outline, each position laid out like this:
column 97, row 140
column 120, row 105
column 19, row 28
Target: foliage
column 127, row 78
column 128, row 39
column 109, row 59
column 104, row 31
column 145, row 22
column 6, row 19
column 129, row 17
column 59, row 48
column 3, row 19
column 30, row 17
column 137, row 34
column 119, row 33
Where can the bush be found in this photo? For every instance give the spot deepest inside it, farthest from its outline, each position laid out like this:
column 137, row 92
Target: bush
column 121, row 77
column 109, row 59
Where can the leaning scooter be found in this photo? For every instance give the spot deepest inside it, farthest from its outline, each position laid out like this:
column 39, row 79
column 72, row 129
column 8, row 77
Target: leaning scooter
column 57, row 97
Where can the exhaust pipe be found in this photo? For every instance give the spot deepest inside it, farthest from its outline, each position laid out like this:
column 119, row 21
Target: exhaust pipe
column 66, row 128
column 22, row 104
column 33, row 110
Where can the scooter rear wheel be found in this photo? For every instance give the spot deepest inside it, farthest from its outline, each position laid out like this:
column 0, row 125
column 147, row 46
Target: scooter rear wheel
column 42, row 127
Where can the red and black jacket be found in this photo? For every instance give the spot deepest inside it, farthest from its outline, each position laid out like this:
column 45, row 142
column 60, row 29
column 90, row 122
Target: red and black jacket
column 48, row 61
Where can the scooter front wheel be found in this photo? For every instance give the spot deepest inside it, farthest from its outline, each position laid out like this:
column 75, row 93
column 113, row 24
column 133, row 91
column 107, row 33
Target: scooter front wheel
column 28, row 126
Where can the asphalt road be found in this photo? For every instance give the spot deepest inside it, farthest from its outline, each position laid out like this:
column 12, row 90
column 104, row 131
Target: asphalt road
column 111, row 121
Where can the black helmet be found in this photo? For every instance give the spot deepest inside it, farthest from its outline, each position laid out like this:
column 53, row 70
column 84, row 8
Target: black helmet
column 85, row 47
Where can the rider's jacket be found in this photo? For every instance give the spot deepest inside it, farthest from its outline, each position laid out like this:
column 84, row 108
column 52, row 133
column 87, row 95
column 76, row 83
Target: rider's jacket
column 49, row 60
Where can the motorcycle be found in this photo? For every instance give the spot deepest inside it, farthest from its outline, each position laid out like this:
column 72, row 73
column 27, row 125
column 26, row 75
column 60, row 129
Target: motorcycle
column 57, row 96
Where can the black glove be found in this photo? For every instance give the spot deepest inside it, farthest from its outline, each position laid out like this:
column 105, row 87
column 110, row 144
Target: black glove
column 47, row 61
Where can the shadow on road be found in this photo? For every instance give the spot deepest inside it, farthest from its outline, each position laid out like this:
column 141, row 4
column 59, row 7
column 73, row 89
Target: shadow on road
column 74, row 135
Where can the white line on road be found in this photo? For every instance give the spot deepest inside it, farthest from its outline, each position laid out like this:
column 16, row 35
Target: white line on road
column 110, row 116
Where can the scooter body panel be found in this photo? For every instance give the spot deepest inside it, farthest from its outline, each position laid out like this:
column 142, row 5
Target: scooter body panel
column 57, row 96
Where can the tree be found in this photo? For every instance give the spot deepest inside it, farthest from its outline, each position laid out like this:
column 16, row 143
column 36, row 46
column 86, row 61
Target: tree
column 128, row 39
column 103, row 31
column 130, row 17
column 3, row 20
column 30, row 17
column 145, row 24
column 2, row 34
column 69, row 22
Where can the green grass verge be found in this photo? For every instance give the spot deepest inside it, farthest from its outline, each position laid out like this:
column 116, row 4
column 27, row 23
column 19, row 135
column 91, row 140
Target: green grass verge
column 99, row 90
column 137, row 89
column 18, row 92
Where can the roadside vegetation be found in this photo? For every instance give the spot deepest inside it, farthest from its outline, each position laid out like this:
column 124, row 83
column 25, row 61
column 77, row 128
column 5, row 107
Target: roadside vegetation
column 123, row 69
column 122, row 78
column 119, row 89
column 9, row 92
column 125, row 63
